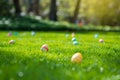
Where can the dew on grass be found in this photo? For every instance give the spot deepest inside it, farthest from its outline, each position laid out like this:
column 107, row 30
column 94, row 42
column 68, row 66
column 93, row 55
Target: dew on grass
column 20, row 74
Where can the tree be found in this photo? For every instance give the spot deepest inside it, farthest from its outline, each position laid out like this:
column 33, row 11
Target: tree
column 53, row 11
column 30, row 6
column 76, row 11
column 4, row 8
column 34, row 7
column 17, row 7
column 106, row 12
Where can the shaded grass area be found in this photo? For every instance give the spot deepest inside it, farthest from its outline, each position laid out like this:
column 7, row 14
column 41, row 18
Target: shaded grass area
column 24, row 60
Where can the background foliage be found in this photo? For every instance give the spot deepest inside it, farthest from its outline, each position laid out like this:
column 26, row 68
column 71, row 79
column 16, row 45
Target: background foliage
column 103, row 13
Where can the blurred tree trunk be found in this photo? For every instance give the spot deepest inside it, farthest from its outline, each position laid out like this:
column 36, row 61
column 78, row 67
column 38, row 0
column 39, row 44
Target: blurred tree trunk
column 53, row 11
column 30, row 6
column 76, row 11
column 17, row 7
column 34, row 7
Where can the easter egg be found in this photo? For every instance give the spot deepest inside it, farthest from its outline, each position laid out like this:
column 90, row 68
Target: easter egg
column 32, row 33
column 73, row 39
column 11, row 41
column 73, row 34
column 101, row 40
column 75, row 43
column 15, row 33
column 76, row 58
column 9, row 34
column 96, row 35
column 44, row 48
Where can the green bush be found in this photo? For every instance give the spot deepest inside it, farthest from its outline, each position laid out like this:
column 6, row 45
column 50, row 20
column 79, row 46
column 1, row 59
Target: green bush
column 27, row 23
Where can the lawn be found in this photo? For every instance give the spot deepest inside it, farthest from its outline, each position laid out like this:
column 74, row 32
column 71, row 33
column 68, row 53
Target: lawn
column 25, row 61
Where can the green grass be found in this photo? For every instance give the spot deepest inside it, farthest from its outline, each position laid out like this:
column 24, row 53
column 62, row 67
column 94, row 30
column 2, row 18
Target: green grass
column 24, row 60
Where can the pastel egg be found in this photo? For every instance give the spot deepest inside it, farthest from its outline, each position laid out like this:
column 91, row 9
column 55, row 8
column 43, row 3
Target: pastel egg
column 44, row 45
column 11, row 41
column 96, row 35
column 73, row 39
column 75, row 43
column 32, row 33
column 101, row 40
column 15, row 33
column 73, row 34
column 9, row 34
column 77, row 58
